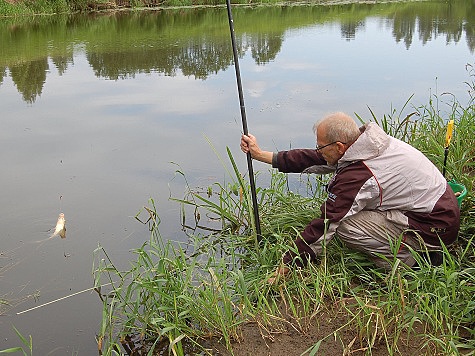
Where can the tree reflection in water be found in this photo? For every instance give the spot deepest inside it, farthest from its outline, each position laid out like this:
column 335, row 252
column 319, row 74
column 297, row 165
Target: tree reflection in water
column 195, row 42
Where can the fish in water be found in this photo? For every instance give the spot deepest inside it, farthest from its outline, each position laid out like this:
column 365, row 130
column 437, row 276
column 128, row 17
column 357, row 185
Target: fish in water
column 60, row 228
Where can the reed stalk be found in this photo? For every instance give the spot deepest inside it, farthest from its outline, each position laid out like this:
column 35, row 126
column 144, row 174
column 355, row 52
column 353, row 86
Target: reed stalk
column 176, row 297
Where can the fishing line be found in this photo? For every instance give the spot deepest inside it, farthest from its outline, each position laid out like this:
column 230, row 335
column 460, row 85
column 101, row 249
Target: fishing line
column 63, row 298
column 244, row 122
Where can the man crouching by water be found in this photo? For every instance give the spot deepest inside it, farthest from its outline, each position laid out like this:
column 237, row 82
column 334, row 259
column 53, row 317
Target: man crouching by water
column 382, row 189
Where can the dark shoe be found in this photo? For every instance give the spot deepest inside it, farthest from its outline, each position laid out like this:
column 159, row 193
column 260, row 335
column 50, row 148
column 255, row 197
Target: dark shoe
column 436, row 258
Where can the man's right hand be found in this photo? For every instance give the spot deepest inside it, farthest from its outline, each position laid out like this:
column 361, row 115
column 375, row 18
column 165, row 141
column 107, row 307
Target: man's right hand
column 249, row 145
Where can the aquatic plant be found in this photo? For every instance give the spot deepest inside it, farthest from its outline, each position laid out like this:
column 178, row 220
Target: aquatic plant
column 27, row 342
column 196, row 297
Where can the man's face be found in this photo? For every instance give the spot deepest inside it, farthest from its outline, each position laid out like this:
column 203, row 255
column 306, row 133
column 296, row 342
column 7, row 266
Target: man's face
column 332, row 151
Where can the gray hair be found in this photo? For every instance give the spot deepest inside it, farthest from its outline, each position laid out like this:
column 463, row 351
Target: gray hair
column 338, row 127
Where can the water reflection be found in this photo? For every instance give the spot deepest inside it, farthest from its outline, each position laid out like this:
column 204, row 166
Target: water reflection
column 76, row 126
column 195, row 42
column 29, row 77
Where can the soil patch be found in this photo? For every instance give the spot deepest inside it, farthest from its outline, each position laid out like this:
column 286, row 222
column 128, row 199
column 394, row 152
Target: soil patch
column 332, row 325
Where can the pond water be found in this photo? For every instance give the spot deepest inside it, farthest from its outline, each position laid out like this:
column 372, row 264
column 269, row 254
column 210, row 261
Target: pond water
column 100, row 111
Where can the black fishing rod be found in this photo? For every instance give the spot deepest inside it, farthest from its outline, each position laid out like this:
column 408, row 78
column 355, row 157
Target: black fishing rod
column 244, row 121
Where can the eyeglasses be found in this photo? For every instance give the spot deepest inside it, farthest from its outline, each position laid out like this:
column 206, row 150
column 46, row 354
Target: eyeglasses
column 318, row 148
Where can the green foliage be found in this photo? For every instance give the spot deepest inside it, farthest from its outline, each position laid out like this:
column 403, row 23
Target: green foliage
column 79, row 5
column 458, row 9
column 179, row 2
column 7, row 9
column 176, row 295
column 429, row 136
column 27, row 7
column 27, row 342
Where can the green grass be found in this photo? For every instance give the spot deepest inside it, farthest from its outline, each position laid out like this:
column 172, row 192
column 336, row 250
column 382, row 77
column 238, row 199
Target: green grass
column 30, row 7
column 176, row 296
column 7, row 9
column 27, row 343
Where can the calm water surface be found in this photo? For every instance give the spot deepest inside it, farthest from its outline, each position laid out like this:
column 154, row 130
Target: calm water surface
column 100, row 111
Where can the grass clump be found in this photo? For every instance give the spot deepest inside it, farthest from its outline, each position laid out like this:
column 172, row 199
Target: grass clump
column 198, row 296
column 205, row 289
column 27, row 343
column 33, row 7
column 30, row 7
column 8, row 9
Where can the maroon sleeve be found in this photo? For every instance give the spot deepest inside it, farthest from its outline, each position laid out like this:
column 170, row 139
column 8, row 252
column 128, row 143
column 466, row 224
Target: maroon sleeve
column 296, row 161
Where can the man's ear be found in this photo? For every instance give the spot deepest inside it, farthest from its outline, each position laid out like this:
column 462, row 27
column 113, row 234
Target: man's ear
column 341, row 147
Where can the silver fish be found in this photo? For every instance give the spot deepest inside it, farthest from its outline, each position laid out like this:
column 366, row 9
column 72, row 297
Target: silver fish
column 60, row 228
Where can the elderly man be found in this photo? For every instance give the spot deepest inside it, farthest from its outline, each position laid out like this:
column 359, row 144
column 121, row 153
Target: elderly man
column 382, row 190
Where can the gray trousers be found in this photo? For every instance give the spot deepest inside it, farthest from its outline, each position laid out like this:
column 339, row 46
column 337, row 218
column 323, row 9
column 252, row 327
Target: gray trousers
column 381, row 233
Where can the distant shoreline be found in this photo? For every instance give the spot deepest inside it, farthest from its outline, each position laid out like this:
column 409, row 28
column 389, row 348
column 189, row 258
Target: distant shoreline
column 12, row 8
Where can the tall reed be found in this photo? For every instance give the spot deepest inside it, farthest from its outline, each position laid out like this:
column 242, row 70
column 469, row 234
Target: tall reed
column 176, row 297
